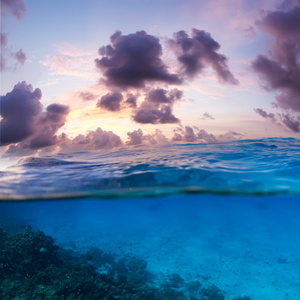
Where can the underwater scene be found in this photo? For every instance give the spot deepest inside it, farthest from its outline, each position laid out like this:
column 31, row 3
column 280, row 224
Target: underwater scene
column 190, row 221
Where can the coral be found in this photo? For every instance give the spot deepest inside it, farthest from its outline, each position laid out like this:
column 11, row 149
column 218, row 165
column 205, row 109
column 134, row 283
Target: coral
column 33, row 267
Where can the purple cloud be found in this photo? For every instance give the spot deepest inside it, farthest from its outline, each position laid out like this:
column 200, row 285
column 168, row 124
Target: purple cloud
column 162, row 115
column 266, row 115
column 20, row 110
column 132, row 60
column 87, row 96
column 131, row 100
column 137, row 137
column 49, row 122
column 157, row 107
column 93, row 140
column 14, row 7
column 111, row 101
column 160, row 96
column 206, row 116
column 291, row 122
column 198, row 52
column 24, row 122
column 189, row 135
column 280, row 69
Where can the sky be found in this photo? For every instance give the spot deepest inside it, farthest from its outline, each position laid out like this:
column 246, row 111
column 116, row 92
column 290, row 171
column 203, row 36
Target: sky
column 90, row 75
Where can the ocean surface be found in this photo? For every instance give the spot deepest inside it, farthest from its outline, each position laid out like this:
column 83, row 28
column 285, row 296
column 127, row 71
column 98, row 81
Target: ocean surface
column 188, row 221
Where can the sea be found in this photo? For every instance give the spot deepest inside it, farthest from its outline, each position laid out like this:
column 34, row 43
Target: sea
column 183, row 221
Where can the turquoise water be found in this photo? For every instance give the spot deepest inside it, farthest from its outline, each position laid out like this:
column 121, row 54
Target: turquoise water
column 205, row 221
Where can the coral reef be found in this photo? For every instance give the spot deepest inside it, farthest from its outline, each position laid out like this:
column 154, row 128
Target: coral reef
column 33, row 267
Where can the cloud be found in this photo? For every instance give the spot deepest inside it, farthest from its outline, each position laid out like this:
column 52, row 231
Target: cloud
column 20, row 110
column 153, row 115
column 131, row 100
column 137, row 137
column 49, row 122
column 87, row 96
column 198, row 52
column 93, row 140
column 229, row 136
column 132, row 60
column 111, row 101
column 7, row 53
column 13, row 7
column 266, row 115
column 20, row 56
column 280, row 69
column 24, row 122
column 291, row 122
column 206, row 116
column 190, row 135
column 157, row 107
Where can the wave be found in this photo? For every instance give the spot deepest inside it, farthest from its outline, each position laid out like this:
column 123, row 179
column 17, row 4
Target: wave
column 251, row 167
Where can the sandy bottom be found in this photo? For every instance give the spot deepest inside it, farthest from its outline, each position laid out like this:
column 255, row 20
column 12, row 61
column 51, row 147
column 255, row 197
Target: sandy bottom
column 244, row 245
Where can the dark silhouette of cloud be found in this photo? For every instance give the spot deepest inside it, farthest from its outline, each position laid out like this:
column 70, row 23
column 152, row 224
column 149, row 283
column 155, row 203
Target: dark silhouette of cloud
column 280, row 69
column 160, row 96
column 131, row 100
column 132, row 60
column 111, row 101
column 157, row 107
column 24, row 122
column 49, row 122
column 198, row 52
column 16, row 8
column 87, row 96
column 291, row 122
column 155, row 115
column 20, row 110
column 266, row 115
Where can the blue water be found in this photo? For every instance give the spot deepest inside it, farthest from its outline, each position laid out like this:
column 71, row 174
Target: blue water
column 227, row 213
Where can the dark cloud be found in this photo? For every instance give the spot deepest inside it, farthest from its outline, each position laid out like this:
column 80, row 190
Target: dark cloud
column 198, row 52
column 49, row 122
column 266, row 115
column 280, row 69
column 132, row 60
column 163, row 96
column 157, row 107
column 131, row 100
column 155, row 115
column 24, row 122
column 20, row 110
column 111, row 101
column 291, row 122
column 14, row 7
column 87, row 96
